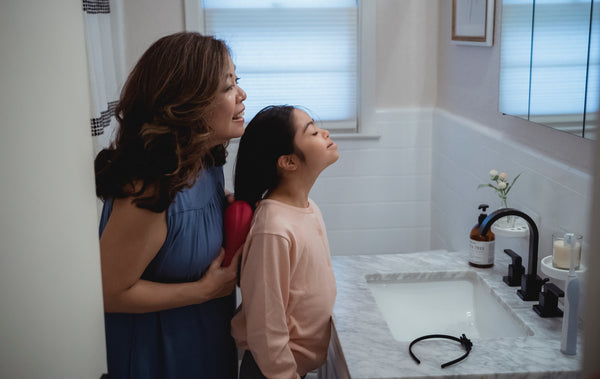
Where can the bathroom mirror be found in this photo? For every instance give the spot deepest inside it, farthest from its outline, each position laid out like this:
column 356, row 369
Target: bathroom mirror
column 550, row 63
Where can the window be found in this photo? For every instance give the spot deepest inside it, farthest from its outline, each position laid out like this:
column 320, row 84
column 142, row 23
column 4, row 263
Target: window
column 297, row 52
column 550, row 62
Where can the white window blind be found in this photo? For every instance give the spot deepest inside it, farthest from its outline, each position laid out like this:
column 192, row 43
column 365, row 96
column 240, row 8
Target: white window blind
column 296, row 52
column 547, row 74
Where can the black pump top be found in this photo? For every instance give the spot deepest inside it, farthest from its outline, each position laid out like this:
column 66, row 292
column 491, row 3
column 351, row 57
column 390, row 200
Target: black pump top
column 483, row 215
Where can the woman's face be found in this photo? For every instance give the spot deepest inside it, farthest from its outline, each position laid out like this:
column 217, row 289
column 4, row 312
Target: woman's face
column 318, row 149
column 227, row 116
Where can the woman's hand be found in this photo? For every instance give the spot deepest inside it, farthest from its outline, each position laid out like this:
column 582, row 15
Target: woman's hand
column 229, row 196
column 131, row 239
column 220, row 281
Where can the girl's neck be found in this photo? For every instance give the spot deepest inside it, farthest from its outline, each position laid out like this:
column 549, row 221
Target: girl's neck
column 290, row 194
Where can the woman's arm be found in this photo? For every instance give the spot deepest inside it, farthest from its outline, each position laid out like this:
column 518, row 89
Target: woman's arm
column 131, row 239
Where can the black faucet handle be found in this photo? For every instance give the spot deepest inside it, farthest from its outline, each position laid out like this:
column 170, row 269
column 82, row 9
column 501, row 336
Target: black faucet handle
column 548, row 306
column 515, row 270
column 516, row 258
column 531, row 286
column 557, row 292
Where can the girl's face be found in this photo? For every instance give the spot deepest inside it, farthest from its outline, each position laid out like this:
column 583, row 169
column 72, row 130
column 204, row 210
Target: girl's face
column 227, row 116
column 318, row 149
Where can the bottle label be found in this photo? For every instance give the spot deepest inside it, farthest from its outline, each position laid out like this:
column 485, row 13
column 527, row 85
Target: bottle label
column 482, row 252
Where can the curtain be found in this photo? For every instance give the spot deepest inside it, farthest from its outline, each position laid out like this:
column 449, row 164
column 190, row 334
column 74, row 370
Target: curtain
column 105, row 63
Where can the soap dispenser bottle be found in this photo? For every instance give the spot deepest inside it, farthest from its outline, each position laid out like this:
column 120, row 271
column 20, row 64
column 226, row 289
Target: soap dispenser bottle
column 481, row 247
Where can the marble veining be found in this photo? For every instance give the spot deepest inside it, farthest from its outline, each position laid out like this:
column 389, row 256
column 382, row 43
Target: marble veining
column 371, row 352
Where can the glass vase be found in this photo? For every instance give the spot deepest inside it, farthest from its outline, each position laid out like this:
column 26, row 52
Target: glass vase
column 506, row 222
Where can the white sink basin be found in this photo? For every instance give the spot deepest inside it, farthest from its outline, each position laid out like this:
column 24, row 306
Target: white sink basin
column 444, row 303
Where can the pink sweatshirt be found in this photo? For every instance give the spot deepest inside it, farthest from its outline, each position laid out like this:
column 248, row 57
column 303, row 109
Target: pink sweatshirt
column 288, row 290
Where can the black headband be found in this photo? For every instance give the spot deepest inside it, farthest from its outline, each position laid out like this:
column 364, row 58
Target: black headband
column 464, row 341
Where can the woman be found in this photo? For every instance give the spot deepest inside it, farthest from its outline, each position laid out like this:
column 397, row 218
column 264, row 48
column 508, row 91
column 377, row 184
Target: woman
column 287, row 283
column 168, row 301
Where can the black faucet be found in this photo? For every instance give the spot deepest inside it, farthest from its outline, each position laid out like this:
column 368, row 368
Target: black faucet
column 531, row 283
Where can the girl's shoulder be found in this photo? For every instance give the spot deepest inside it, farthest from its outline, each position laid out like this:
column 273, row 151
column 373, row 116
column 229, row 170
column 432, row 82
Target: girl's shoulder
column 278, row 208
column 275, row 217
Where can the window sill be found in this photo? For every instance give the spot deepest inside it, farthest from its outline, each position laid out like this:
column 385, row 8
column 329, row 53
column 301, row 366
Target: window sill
column 336, row 137
column 355, row 136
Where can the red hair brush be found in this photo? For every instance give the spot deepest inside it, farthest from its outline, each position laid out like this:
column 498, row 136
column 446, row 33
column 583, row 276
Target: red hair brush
column 237, row 219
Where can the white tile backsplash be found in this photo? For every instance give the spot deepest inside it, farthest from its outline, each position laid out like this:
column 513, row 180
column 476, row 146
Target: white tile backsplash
column 463, row 152
column 376, row 199
column 381, row 162
column 384, row 215
column 364, row 188
column 415, row 187
column 384, row 241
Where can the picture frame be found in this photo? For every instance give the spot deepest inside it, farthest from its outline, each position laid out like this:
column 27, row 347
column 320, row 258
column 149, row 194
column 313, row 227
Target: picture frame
column 473, row 22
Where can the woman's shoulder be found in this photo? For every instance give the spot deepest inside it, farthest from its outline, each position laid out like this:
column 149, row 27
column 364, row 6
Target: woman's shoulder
column 129, row 219
column 207, row 191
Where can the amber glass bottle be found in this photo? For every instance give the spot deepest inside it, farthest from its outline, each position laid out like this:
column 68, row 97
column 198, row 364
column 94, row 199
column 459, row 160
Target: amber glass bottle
column 481, row 253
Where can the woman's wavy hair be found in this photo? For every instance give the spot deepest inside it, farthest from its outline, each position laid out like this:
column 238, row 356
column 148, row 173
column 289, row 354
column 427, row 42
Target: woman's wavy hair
column 269, row 135
column 163, row 138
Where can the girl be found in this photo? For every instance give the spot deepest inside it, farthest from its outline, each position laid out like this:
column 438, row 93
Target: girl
column 287, row 283
column 167, row 300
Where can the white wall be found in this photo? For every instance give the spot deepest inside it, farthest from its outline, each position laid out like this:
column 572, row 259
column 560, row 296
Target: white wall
column 557, row 196
column 417, row 68
column 145, row 21
column 51, row 318
column 406, row 45
column 376, row 198
column 470, row 137
column 591, row 347
column 384, row 195
column 468, row 86
column 407, row 35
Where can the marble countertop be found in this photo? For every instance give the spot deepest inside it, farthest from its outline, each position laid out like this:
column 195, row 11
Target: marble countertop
column 370, row 351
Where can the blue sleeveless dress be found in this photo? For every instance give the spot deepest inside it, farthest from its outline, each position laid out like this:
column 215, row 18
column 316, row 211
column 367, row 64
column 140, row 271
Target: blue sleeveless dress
column 187, row 342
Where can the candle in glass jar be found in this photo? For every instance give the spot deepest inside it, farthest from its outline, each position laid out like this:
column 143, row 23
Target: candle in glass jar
column 561, row 253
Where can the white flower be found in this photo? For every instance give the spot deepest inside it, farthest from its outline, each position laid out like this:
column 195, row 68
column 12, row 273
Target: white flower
column 500, row 185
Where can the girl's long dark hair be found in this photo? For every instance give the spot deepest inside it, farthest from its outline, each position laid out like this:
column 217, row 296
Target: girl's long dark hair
column 269, row 135
column 162, row 139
